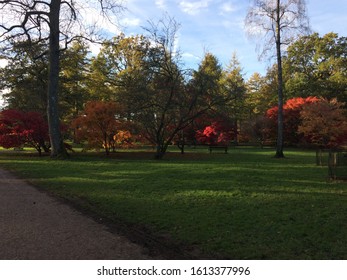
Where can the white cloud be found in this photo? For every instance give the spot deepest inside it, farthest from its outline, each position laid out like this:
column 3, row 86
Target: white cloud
column 227, row 7
column 161, row 4
column 111, row 27
column 190, row 56
column 131, row 22
column 194, row 8
column 93, row 19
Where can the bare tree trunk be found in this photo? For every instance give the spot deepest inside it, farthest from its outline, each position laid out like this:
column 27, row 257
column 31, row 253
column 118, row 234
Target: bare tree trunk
column 280, row 22
column 279, row 147
column 57, row 146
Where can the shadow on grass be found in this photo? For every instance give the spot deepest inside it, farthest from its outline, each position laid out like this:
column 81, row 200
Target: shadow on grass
column 243, row 205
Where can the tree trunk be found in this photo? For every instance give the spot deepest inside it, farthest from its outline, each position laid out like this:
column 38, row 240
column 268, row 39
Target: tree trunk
column 106, row 144
column 39, row 151
column 57, row 146
column 161, row 149
column 236, row 133
column 160, row 152
column 279, row 147
column 181, row 142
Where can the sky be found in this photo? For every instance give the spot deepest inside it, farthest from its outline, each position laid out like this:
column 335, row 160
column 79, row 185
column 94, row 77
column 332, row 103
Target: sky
column 217, row 26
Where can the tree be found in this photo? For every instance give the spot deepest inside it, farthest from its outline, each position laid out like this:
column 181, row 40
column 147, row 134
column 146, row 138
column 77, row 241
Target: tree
column 324, row 123
column 121, row 72
column 161, row 112
column 277, row 21
column 73, row 80
column 219, row 102
column 218, row 132
column 146, row 75
column 9, row 127
column 261, row 93
column 24, row 79
column 53, row 23
column 316, row 65
column 143, row 73
column 204, row 92
column 292, row 120
column 99, row 124
column 234, row 88
column 171, row 100
column 123, row 139
column 19, row 128
column 207, row 79
column 259, row 130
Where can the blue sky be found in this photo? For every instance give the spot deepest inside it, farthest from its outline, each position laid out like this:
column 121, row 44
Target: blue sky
column 217, row 26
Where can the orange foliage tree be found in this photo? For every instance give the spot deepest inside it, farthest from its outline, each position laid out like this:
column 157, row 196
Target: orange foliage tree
column 124, row 139
column 99, row 123
column 324, row 123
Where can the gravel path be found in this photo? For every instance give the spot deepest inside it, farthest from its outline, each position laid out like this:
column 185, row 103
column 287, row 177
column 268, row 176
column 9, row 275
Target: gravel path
column 34, row 225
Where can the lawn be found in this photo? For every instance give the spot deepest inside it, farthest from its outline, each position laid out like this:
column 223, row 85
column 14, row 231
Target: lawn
column 241, row 205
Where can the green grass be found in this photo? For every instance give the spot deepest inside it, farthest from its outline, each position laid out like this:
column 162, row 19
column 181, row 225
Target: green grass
column 243, row 205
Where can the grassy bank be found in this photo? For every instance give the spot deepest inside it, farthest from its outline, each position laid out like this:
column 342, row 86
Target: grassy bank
column 241, row 205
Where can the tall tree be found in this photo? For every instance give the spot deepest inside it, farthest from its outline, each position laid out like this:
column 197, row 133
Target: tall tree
column 173, row 100
column 73, row 80
column 207, row 80
column 120, row 71
column 24, row 79
column 317, row 65
column 163, row 112
column 234, row 88
column 277, row 21
column 54, row 22
column 261, row 93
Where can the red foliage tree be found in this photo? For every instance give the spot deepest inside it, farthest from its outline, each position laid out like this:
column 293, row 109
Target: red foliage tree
column 217, row 133
column 19, row 128
column 292, row 119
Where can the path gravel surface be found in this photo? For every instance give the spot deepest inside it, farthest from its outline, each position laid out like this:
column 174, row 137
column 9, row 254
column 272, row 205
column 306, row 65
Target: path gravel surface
column 36, row 226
